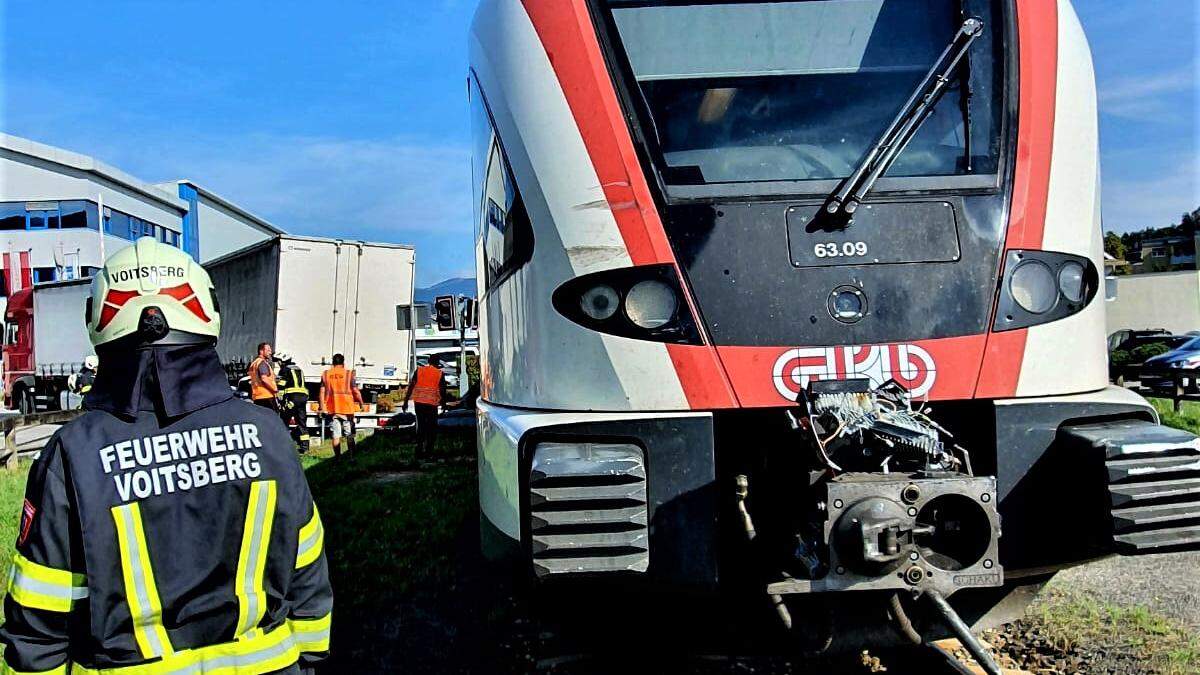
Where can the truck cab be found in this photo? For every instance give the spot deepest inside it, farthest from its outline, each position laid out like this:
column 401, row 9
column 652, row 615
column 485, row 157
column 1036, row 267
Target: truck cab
column 18, row 352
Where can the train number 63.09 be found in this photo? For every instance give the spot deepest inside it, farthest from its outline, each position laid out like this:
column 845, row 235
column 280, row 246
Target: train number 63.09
column 847, row 249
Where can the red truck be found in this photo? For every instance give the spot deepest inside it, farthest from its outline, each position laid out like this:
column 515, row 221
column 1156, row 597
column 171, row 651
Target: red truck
column 45, row 342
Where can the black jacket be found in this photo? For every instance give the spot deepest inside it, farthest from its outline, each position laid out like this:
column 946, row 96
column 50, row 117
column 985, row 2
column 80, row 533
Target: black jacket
column 171, row 525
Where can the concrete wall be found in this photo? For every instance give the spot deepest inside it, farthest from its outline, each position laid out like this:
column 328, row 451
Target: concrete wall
column 222, row 232
column 1169, row 300
column 26, row 177
column 29, row 178
column 50, row 248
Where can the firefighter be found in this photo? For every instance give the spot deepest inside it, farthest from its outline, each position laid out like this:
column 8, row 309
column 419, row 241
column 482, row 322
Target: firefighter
column 81, row 382
column 427, row 391
column 263, row 387
column 339, row 400
column 169, row 529
column 293, row 400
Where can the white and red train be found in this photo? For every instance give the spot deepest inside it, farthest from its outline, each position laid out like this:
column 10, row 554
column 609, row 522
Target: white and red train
column 701, row 362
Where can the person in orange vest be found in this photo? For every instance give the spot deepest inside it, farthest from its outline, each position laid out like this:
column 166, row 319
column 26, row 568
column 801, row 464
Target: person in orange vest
column 263, row 387
column 340, row 398
column 427, row 391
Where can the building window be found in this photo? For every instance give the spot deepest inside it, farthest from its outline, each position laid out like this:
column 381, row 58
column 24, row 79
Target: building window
column 72, row 214
column 42, row 219
column 117, row 224
column 12, row 216
column 79, row 214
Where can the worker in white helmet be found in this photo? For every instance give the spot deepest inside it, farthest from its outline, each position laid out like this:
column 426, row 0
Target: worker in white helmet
column 81, row 383
column 169, row 529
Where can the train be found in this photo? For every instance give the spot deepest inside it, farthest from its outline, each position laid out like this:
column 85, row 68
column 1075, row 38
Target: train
column 804, row 298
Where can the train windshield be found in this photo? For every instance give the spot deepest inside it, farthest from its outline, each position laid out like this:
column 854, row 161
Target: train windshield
column 753, row 92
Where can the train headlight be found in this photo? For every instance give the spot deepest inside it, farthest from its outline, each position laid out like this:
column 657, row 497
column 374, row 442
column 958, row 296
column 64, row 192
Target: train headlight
column 642, row 303
column 1033, row 287
column 651, row 304
column 600, row 302
column 1043, row 286
column 1071, row 281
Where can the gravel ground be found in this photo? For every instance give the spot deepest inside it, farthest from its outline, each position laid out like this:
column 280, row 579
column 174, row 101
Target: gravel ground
column 1168, row 584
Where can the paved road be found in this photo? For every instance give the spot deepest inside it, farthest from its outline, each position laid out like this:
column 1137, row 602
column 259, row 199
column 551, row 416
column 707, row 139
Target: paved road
column 1168, row 584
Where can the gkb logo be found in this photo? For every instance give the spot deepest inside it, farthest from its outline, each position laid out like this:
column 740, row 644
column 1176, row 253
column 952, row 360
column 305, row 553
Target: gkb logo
column 909, row 365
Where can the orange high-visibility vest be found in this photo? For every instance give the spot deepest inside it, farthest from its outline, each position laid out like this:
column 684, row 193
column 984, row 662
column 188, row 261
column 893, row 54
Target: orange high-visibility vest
column 339, row 394
column 427, row 388
column 257, row 390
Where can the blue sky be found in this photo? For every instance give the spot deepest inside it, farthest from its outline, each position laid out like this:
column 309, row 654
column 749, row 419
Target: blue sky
column 349, row 118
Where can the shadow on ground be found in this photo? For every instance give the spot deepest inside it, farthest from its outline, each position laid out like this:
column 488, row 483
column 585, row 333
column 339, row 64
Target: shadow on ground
column 413, row 594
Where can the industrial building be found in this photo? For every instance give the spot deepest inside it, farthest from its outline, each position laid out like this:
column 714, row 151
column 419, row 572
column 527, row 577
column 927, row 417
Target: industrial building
column 1169, row 300
column 50, row 201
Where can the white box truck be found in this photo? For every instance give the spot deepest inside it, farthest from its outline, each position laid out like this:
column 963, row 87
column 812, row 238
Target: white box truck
column 312, row 298
column 45, row 342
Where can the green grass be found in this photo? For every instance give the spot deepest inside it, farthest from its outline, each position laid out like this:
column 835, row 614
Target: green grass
column 388, row 530
column 385, row 533
column 1188, row 417
column 1068, row 618
column 12, row 494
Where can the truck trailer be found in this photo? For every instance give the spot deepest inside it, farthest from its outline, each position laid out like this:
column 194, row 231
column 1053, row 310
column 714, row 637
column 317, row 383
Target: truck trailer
column 45, row 342
column 801, row 297
column 312, row 298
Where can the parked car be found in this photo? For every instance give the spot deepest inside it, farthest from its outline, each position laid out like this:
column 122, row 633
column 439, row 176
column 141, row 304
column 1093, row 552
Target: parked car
column 1159, row 372
column 1129, row 349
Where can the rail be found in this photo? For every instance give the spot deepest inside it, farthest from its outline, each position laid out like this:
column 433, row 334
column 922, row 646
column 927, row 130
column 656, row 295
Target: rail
column 10, row 425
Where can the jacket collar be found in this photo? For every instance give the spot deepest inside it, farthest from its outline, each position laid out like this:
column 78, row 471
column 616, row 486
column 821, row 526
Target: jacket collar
column 171, row 381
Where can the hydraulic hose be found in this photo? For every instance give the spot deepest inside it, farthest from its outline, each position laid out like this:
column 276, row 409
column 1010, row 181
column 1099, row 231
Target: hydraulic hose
column 902, row 622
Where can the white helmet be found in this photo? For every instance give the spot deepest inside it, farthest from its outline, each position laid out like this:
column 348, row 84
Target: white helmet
column 156, row 290
column 91, row 362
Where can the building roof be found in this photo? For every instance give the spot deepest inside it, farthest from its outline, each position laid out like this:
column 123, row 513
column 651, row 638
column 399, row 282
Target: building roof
column 91, row 165
column 225, row 203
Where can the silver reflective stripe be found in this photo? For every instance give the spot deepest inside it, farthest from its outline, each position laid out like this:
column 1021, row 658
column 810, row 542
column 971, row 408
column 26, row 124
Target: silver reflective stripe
column 234, row 661
column 307, row 637
column 144, row 606
column 28, row 583
column 252, row 559
column 311, row 541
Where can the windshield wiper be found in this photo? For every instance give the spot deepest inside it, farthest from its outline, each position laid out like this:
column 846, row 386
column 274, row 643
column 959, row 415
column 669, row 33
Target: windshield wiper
column 907, row 122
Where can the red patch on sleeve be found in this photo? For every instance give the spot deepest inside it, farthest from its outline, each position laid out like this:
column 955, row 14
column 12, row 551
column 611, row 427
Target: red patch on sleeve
column 27, row 513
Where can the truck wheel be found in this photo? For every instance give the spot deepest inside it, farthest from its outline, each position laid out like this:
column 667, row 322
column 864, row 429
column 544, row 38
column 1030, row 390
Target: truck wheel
column 25, row 403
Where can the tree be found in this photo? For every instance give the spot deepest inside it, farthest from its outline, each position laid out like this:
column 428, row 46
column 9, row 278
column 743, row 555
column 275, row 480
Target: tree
column 1187, row 225
column 1114, row 246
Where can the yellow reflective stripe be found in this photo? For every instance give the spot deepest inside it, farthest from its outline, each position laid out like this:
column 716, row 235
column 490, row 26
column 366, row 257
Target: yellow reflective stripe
column 312, row 635
column 140, row 590
column 252, row 559
column 267, row 652
column 6, row 669
column 312, row 541
column 40, row 587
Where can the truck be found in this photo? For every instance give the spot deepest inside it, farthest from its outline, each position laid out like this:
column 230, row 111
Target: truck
column 45, row 342
column 313, row 297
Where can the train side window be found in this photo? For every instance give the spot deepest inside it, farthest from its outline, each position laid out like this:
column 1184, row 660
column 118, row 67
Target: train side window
column 503, row 228
column 507, row 232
